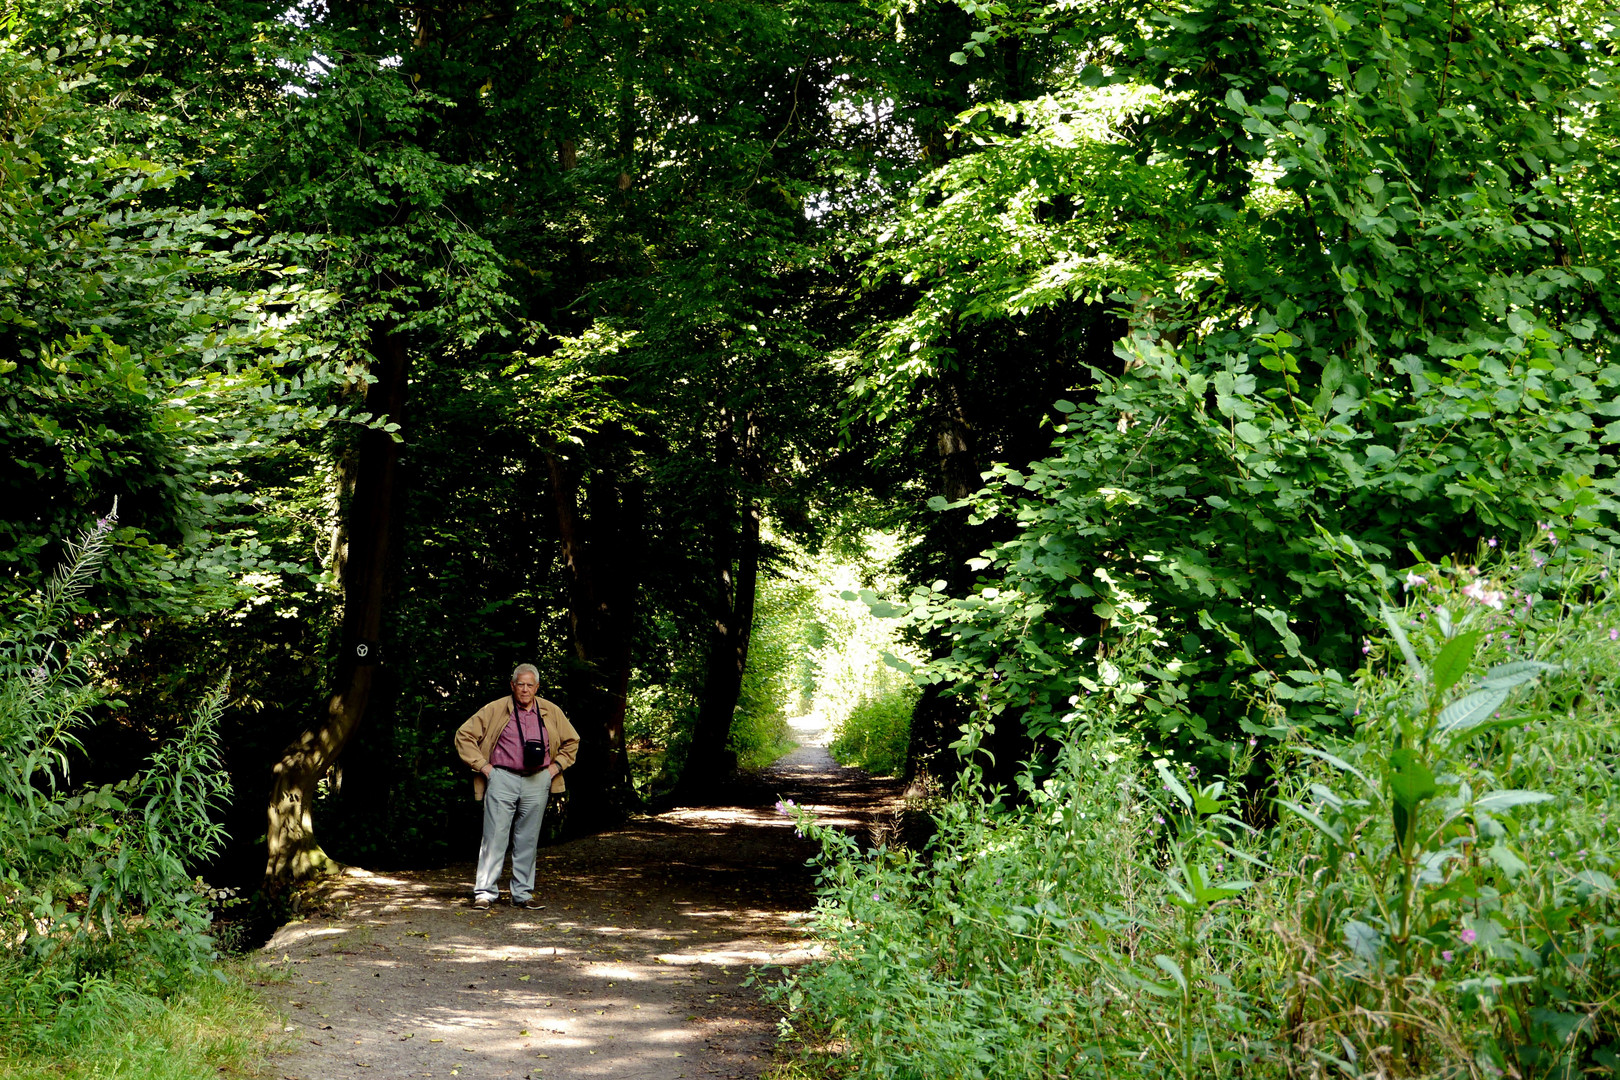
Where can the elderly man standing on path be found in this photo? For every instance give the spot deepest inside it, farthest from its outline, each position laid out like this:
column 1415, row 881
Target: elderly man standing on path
column 518, row 746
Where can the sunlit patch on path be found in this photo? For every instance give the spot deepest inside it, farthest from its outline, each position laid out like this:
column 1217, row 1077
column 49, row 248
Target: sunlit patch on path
column 634, row 970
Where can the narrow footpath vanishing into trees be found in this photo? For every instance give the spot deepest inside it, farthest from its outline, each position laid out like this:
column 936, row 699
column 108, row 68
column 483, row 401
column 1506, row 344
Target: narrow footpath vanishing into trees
column 637, row 968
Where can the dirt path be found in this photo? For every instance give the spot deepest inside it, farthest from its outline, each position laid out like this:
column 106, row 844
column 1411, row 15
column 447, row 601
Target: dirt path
column 633, row 971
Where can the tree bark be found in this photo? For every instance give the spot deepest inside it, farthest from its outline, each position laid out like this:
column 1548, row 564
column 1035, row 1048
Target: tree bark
column 601, row 554
column 936, row 719
column 293, row 852
column 736, row 581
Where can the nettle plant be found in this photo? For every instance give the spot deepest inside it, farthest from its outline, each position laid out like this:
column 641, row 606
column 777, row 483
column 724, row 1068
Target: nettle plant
column 1444, row 917
column 96, row 888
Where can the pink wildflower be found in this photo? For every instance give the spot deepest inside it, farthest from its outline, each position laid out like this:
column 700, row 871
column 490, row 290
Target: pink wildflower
column 1477, row 592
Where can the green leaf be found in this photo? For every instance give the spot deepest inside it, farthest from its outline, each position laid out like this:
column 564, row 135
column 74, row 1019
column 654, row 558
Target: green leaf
column 1170, row 782
column 1395, row 631
column 1471, row 711
column 1410, row 779
column 1337, row 763
column 1505, row 859
column 1169, row 966
column 1363, row 940
column 1507, row 676
column 1507, row 798
column 1336, row 835
column 1453, row 660
column 1596, row 880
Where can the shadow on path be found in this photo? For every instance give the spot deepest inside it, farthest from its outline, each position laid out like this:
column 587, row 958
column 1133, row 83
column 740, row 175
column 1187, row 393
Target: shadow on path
column 633, row 970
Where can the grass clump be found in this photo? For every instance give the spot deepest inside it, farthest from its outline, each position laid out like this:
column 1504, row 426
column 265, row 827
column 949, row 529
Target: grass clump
column 210, row 1025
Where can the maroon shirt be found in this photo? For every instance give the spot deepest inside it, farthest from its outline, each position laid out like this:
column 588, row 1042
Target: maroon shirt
column 525, row 724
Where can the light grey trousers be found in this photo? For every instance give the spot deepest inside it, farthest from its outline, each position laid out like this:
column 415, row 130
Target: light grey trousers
column 513, row 808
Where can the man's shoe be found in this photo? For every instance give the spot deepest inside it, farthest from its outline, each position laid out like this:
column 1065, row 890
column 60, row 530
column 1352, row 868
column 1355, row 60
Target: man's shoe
column 480, row 903
column 532, row 904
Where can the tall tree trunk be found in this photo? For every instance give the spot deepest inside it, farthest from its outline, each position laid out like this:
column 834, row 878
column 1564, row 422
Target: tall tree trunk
column 736, row 581
column 936, row 719
column 293, row 851
column 601, row 554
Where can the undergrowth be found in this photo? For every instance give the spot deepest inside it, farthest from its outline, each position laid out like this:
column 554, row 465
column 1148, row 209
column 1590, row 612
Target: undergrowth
column 1430, row 894
column 877, row 732
column 208, row 1026
column 101, row 920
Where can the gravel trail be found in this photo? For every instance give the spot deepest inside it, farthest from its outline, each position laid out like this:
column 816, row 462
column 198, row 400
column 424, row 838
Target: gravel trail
column 633, row 971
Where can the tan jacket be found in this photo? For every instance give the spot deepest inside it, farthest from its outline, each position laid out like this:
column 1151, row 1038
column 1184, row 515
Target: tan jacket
column 475, row 739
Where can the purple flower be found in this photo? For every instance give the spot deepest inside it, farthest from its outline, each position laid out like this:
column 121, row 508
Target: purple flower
column 1192, row 772
column 1468, row 937
column 1414, row 581
column 1445, row 954
column 1537, row 561
column 1366, row 646
column 1614, row 633
column 1491, row 542
column 877, row 896
column 785, row 807
column 1159, row 818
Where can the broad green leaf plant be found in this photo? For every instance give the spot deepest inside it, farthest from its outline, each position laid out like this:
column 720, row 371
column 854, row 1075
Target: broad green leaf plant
column 1444, row 916
column 97, row 895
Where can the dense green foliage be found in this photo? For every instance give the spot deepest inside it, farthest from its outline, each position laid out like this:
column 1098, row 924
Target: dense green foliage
column 98, row 905
column 1366, row 324
column 877, row 732
column 1363, row 314
column 149, row 351
column 1437, row 897
column 1166, row 345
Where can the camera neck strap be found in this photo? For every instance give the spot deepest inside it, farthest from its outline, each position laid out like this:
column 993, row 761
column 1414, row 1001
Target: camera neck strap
column 539, row 720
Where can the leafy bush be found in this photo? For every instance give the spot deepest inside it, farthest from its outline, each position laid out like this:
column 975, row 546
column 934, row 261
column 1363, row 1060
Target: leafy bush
column 97, row 904
column 1355, row 324
column 1434, row 897
column 877, row 732
column 1460, row 913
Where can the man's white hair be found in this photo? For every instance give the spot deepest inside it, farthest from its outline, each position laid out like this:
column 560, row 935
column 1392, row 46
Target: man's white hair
column 526, row 669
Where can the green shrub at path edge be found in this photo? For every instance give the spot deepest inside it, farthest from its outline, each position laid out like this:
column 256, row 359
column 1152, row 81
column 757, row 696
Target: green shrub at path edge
column 1435, row 897
column 877, row 732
